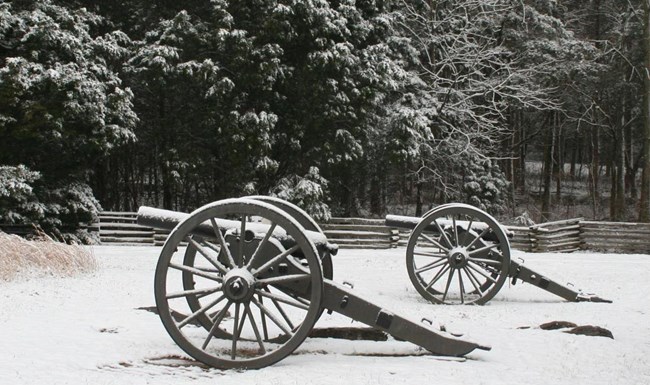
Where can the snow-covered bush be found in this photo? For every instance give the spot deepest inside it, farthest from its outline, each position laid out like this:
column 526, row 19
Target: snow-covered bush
column 308, row 192
column 18, row 203
column 24, row 200
column 70, row 205
column 524, row 219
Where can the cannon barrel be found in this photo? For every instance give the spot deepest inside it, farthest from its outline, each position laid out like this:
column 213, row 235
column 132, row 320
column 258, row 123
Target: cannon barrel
column 168, row 220
column 406, row 222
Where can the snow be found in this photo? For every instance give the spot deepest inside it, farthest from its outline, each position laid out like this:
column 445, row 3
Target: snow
column 88, row 329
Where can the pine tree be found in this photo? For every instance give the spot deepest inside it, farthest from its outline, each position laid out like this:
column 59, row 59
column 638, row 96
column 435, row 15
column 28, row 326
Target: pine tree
column 62, row 104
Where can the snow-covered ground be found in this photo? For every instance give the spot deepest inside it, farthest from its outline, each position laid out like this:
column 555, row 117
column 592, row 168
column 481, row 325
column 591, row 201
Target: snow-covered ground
column 88, row 329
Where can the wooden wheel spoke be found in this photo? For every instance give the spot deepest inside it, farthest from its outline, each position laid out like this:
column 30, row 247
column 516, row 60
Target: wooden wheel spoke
column 200, row 311
column 485, row 231
column 284, row 278
column 462, row 286
column 261, row 246
column 474, row 281
column 272, row 317
column 281, row 310
column 276, row 260
column 240, row 248
column 196, row 292
column 207, row 256
column 430, row 254
column 449, row 278
column 437, row 276
column 491, row 262
column 263, row 319
column 251, row 320
column 215, row 324
column 481, row 271
column 482, row 249
column 435, row 242
column 196, row 271
column 469, row 224
column 235, row 333
column 211, row 246
column 284, row 314
column 241, row 323
column 207, row 269
column 453, row 221
column 431, row 265
column 288, row 300
column 222, row 243
column 443, row 234
column 300, row 299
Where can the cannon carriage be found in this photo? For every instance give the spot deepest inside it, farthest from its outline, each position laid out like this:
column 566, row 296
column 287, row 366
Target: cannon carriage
column 240, row 283
column 458, row 254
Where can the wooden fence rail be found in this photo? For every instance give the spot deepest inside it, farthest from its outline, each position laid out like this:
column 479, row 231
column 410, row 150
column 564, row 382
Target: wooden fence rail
column 356, row 233
column 626, row 237
column 360, row 233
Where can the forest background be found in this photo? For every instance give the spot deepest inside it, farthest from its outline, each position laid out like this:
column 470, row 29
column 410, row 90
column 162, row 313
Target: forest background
column 529, row 109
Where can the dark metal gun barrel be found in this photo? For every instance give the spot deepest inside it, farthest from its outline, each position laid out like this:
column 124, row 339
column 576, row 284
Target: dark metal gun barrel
column 168, row 220
column 402, row 221
column 406, row 222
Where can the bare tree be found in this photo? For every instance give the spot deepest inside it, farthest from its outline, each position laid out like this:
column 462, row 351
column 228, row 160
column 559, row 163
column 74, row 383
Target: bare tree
column 470, row 80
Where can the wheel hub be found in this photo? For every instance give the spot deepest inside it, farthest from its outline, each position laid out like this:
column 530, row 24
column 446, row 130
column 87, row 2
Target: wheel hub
column 458, row 257
column 239, row 285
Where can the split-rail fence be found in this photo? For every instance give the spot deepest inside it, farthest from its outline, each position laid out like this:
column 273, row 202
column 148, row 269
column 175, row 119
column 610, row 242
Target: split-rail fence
column 361, row 233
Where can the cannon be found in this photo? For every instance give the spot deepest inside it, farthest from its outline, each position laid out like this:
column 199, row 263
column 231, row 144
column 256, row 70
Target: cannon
column 459, row 254
column 241, row 282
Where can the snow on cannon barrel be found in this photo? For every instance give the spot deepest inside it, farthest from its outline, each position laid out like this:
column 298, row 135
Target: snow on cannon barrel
column 458, row 254
column 240, row 283
column 167, row 220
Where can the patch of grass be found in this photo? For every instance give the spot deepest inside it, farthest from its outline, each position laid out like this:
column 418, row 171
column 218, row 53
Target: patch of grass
column 20, row 257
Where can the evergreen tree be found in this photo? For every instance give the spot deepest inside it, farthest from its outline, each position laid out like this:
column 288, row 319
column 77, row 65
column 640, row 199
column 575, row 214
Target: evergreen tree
column 62, row 105
column 234, row 100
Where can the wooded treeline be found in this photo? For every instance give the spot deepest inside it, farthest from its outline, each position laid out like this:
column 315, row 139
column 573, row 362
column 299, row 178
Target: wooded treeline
column 343, row 107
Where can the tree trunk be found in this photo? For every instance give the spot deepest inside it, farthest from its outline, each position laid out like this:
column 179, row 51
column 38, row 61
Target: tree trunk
column 375, row 193
column 558, row 158
column 522, row 157
column 612, row 195
column 418, row 194
column 644, row 204
column 619, row 202
column 594, row 170
column 512, row 164
column 574, row 156
column 630, row 172
column 547, row 173
column 165, row 172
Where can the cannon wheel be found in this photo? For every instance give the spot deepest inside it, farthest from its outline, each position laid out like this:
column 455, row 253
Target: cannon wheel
column 458, row 254
column 295, row 212
column 260, row 296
